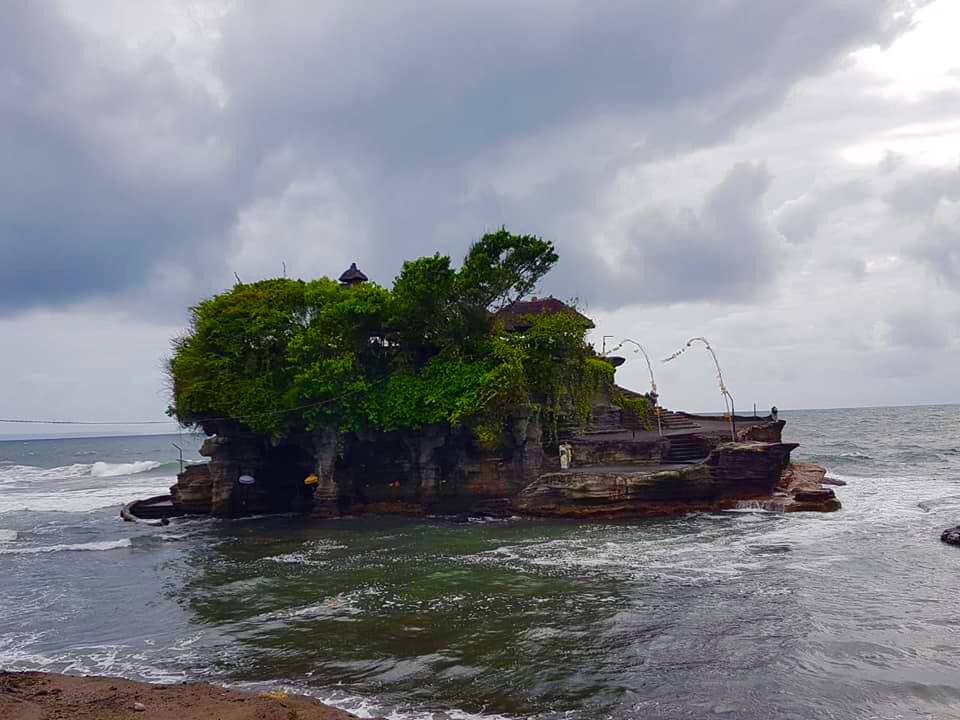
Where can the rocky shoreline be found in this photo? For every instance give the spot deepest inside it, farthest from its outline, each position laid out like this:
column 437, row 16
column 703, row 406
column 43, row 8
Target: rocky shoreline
column 43, row 696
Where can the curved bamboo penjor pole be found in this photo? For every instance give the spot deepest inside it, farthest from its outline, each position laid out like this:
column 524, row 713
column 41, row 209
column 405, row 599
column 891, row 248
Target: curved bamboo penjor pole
column 728, row 403
column 653, row 383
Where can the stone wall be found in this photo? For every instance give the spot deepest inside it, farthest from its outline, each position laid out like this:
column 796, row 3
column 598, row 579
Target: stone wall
column 597, row 450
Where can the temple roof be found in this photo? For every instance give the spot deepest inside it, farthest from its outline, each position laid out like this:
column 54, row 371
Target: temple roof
column 352, row 275
column 512, row 315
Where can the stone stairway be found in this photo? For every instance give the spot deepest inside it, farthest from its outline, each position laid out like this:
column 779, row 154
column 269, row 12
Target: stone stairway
column 675, row 421
column 684, row 449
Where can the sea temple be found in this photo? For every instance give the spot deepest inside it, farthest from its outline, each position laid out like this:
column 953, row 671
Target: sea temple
column 455, row 392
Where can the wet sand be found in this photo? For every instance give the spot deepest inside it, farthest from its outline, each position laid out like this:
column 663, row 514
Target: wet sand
column 46, row 696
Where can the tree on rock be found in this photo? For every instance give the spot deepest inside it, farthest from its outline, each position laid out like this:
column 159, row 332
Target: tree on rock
column 281, row 356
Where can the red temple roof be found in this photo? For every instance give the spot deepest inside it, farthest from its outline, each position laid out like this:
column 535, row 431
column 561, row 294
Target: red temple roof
column 512, row 315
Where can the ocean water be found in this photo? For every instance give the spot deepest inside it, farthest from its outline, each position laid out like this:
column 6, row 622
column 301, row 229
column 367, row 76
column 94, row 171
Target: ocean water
column 854, row 614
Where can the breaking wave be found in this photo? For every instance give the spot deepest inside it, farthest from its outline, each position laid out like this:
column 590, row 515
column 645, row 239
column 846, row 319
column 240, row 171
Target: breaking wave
column 83, row 499
column 10, row 474
column 103, row 469
column 76, row 547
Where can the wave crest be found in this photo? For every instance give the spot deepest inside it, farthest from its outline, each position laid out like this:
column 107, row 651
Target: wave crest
column 104, row 469
column 29, row 473
column 88, row 547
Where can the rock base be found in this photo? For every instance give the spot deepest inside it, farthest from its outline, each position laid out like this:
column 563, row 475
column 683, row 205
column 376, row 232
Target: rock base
column 802, row 488
column 35, row 695
column 439, row 470
column 951, row 536
column 743, row 474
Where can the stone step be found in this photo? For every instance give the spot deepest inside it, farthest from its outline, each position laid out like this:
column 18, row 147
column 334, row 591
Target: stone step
column 673, row 421
column 684, row 449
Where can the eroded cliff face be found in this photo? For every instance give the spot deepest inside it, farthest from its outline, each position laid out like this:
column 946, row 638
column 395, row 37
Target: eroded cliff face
column 193, row 490
column 444, row 470
column 436, row 469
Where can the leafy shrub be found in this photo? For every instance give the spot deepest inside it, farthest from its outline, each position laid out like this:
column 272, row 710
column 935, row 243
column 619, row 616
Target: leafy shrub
column 281, row 356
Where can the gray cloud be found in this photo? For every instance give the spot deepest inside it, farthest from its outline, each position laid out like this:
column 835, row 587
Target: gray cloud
column 115, row 165
column 919, row 330
column 398, row 115
column 800, row 219
column 724, row 250
column 939, row 246
column 932, row 199
column 920, row 193
column 426, row 82
column 107, row 169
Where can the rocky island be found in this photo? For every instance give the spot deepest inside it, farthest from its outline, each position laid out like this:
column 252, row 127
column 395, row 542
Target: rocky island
column 452, row 392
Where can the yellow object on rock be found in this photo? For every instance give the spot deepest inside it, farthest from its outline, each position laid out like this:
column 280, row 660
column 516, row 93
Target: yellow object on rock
column 278, row 695
column 311, row 479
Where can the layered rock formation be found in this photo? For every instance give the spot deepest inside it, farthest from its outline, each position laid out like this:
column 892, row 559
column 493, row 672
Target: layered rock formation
column 193, row 492
column 437, row 469
column 731, row 472
column 803, row 487
column 442, row 470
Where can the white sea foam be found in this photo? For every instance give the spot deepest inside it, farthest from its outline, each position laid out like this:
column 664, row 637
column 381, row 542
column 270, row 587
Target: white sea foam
column 24, row 474
column 14, row 474
column 76, row 547
column 103, row 469
column 7, row 536
column 82, row 500
column 308, row 555
column 16, row 653
column 364, row 707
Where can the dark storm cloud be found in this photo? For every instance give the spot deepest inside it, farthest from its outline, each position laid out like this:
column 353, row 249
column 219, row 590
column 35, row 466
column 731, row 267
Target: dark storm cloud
column 111, row 167
column 106, row 169
column 413, row 94
column 426, row 82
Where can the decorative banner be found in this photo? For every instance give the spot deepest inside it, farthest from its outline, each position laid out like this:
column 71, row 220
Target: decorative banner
column 727, row 397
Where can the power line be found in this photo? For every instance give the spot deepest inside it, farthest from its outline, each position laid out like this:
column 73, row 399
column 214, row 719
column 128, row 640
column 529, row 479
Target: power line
column 86, row 422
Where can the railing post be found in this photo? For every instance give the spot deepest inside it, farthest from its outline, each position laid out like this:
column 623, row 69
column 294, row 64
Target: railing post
column 181, row 455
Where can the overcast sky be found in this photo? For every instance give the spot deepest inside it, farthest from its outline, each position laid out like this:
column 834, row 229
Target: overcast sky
column 781, row 177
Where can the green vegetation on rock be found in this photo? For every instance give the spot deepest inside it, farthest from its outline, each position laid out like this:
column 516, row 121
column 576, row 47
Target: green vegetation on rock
column 638, row 410
column 281, row 356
